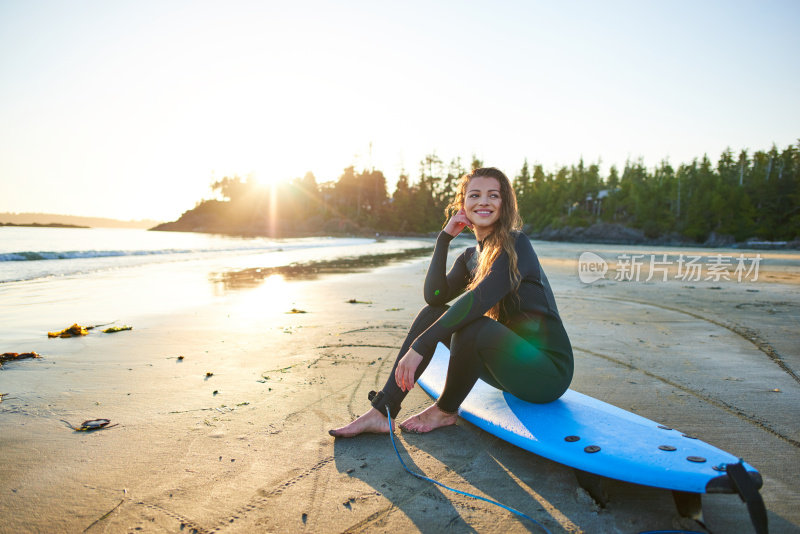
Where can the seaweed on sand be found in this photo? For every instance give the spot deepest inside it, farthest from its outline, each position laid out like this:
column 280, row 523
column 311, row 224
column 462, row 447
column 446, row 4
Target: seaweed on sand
column 78, row 330
column 114, row 329
column 13, row 356
column 74, row 330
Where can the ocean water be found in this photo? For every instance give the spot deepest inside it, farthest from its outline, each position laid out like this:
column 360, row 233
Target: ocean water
column 35, row 253
column 52, row 277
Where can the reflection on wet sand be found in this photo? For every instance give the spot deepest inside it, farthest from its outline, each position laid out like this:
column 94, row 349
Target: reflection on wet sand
column 254, row 276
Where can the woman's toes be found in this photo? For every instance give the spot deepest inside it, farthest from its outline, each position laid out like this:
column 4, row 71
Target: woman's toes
column 430, row 419
column 340, row 432
column 412, row 425
column 345, row 431
column 337, row 432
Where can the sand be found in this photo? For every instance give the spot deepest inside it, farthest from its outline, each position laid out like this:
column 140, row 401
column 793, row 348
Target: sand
column 246, row 449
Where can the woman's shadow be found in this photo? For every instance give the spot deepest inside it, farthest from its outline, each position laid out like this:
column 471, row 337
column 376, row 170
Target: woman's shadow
column 431, row 508
column 371, row 459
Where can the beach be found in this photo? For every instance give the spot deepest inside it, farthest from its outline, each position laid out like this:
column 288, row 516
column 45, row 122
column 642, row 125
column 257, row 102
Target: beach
column 225, row 388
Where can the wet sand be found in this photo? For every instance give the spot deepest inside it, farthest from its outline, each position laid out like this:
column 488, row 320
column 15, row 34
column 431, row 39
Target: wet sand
column 246, row 449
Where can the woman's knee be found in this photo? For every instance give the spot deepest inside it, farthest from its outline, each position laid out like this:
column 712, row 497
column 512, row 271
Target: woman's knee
column 430, row 313
column 438, row 310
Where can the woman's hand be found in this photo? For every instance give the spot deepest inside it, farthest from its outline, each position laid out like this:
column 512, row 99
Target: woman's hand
column 406, row 368
column 457, row 223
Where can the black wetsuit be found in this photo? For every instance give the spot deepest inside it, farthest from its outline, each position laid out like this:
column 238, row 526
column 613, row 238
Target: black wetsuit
column 527, row 352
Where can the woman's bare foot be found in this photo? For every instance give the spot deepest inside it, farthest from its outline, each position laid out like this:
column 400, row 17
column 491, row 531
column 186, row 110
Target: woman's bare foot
column 372, row 422
column 429, row 419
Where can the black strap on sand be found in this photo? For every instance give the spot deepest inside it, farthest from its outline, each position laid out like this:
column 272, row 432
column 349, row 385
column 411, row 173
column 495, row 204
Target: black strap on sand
column 748, row 492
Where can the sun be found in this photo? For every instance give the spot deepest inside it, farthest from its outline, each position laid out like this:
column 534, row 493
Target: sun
column 273, row 173
column 262, row 179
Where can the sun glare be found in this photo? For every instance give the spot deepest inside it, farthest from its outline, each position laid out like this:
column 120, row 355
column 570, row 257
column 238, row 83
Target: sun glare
column 265, row 180
column 274, row 296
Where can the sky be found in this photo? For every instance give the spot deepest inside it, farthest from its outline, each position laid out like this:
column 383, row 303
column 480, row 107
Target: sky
column 131, row 109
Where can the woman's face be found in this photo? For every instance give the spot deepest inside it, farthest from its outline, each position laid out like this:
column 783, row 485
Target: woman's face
column 482, row 201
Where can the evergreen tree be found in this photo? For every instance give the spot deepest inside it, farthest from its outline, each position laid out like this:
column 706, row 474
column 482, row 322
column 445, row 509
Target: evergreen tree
column 402, row 204
column 454, row 173
column 476, row 163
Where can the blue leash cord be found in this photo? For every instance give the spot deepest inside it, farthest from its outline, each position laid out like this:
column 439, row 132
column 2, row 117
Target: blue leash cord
column 423, row 477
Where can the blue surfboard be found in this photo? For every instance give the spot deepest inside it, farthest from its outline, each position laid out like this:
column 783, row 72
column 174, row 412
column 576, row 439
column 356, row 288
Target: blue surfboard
column 595, row 437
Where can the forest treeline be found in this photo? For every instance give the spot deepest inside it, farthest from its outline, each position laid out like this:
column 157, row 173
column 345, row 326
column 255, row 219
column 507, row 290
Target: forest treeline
column 741, row 196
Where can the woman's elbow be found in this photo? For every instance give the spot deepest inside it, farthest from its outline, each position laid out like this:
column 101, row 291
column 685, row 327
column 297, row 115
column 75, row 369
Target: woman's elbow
column 436, row 298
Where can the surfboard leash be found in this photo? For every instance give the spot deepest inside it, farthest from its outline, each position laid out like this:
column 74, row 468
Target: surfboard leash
column 428, row 479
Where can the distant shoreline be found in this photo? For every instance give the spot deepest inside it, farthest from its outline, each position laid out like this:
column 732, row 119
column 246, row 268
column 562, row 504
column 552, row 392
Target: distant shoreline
column 71, row 221
column 598, row 234
column 44, row 225
column 619, row 234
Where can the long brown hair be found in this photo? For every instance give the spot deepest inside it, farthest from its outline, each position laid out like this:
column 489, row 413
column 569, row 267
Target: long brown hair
column 501, row 238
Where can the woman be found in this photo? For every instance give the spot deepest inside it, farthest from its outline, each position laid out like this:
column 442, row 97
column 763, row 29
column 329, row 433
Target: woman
column 505, row 329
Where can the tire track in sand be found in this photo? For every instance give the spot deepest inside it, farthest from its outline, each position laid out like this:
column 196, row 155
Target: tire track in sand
column 731, row 409
column 745, row 333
